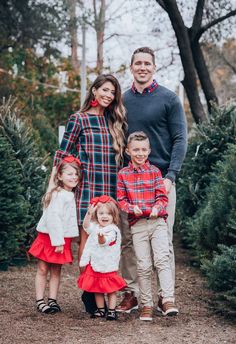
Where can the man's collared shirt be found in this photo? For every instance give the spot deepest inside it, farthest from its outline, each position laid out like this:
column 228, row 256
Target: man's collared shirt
column 148, row 89
column 142, row 186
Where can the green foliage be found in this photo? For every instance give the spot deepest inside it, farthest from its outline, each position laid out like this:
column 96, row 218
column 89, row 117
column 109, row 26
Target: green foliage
column 14, row 206
column 215, row 221
column 27, row 23
column 205, row 149
column 20, row 137
column 207, row 203
column 221, row 274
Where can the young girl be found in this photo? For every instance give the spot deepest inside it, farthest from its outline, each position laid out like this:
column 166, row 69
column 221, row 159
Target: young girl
column 56, row 228
column 101, row 255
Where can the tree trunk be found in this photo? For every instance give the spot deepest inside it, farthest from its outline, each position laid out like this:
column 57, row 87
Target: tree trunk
column 190, row 79
column 203, row 74
column 100, row 28
column 73, row 35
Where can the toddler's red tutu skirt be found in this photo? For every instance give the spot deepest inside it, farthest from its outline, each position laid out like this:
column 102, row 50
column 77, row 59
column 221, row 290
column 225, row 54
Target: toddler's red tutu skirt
column 99, row 282
column 42, row 249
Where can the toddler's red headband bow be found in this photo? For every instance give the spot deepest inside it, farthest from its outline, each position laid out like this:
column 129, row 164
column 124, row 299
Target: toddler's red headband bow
column 102, row 199
column 71, row 158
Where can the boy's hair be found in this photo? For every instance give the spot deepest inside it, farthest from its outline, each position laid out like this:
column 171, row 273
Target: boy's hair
column 137, row 136
column 145, row 50
column 61, row 167
column 112, row 208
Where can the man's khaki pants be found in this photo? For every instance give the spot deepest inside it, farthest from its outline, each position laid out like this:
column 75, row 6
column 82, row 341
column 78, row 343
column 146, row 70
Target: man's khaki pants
column 128, row 264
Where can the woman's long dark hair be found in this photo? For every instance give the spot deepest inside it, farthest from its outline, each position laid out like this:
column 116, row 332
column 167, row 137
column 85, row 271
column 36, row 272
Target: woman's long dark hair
column 116, row 114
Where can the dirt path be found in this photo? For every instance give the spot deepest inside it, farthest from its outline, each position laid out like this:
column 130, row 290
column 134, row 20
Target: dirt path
column 20, row 323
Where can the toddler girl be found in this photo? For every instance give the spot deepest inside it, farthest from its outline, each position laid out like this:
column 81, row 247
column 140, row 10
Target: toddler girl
column 101, row 255
column 56, row 228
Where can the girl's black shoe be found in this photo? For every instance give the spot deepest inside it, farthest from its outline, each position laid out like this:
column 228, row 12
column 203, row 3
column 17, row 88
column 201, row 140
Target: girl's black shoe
column 111, row 314
column 52, row 303
column 99, row 313
column 42, row 307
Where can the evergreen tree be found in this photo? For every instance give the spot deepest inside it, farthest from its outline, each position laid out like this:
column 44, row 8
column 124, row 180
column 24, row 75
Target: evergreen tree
column 14, row 207
column 21, row 138
column 205, row 149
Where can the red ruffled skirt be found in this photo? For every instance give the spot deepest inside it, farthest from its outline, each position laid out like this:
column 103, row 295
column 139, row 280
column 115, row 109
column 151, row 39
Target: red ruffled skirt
column 42, row 249
column 99, row 282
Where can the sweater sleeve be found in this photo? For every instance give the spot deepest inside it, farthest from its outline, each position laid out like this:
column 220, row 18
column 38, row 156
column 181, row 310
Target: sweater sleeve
column 69, row 139
column 178, row 130
column 54, row 219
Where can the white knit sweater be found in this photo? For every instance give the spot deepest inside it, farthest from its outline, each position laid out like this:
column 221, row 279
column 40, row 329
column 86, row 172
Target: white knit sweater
column 103, row 258
column 59, row 219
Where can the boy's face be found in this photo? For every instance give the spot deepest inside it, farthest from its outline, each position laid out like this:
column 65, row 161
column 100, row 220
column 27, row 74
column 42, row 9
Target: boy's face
column 138, row 152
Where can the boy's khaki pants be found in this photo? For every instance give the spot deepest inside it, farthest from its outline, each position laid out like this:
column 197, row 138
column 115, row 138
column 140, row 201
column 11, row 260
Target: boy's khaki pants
column 128, row 263
column 150, row 240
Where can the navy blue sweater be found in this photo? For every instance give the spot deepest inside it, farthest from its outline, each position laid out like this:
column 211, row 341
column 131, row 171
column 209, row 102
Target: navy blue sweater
column 160, row 115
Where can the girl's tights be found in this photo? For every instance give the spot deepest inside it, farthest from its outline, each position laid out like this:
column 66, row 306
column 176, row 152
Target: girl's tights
column 41, row 279
column 99, row 297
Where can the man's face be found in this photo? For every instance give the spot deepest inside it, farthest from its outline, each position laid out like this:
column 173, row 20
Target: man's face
column 143, row 68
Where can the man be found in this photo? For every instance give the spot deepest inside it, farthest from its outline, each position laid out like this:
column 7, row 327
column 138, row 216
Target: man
column 158, row 112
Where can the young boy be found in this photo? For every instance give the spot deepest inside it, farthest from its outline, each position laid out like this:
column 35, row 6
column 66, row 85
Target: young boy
column 141, row 193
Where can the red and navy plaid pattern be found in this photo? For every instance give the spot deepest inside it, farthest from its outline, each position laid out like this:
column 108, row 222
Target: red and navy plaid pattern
column 142, row 186
column 88, row 138
column 148, row 89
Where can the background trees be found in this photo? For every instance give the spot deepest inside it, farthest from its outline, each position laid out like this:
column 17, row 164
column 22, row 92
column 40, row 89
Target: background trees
column 207, row 15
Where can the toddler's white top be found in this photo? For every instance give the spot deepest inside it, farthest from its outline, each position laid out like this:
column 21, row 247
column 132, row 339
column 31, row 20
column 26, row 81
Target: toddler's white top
column 59, row 219
column 102, row 257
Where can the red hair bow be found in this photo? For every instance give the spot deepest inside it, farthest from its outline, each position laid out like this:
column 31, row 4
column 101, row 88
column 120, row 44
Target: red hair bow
column 71, row 158
column 101, row 199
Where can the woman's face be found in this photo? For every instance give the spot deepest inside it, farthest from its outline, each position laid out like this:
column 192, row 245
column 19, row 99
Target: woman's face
column 105, row 94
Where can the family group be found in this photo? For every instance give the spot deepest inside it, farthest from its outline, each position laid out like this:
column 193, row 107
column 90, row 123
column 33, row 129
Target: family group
column 113, row 186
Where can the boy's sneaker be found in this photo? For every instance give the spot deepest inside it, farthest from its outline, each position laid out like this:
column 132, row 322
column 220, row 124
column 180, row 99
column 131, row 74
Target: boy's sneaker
column 128, row 303
column 167, row 308
column 146, row 313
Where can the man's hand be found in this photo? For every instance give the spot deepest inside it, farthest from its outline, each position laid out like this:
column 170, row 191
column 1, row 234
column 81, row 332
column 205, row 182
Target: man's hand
column 137, row 210
column 168, row 184
column 59, row 249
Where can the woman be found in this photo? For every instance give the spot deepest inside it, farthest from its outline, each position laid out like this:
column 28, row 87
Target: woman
column 96, row 135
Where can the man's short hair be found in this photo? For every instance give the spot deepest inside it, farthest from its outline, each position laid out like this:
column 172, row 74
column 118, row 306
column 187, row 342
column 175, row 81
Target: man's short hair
column 137, row 136
column 145, row 50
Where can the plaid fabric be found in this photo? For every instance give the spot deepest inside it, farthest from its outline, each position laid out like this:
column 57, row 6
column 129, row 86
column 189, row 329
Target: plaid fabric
column 88, row 138
column 142, row 186
column 148, row 89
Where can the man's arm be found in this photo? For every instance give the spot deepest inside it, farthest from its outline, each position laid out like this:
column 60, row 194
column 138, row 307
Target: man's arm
column 178, row 130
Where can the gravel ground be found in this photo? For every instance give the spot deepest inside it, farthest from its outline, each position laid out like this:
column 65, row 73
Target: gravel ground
column 21, row 323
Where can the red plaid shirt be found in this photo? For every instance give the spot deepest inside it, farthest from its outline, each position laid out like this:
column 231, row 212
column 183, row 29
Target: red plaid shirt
column 144, row 187
column 148, row 89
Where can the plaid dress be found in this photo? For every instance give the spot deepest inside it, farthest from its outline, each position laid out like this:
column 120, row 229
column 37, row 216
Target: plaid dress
column 88, row 138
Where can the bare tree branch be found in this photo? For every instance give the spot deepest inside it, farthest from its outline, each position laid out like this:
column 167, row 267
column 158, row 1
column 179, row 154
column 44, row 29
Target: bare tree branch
column 162, row 4
column 197, row 19
column 214, row 22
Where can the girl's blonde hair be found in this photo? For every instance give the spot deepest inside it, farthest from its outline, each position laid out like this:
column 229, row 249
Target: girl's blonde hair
column 58, row 183
column 112, row 208
column 116, row 114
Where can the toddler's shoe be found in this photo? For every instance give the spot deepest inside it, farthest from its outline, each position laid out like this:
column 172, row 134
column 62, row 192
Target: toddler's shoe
column 111, row 314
